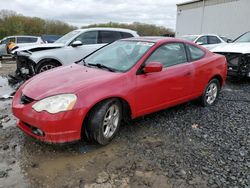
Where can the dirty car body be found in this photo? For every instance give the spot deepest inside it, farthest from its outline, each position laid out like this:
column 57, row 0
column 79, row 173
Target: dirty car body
column 71, row 47
column 237, row 55
column 129, row 78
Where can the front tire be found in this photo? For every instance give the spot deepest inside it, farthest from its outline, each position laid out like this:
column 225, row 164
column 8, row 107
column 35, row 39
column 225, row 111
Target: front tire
column 211, row 93
column 46, row 66
column 104, row 121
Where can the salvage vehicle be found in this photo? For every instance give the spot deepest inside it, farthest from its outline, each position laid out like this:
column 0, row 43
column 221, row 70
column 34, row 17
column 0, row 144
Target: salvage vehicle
column 121, row 81
column 238, row 56
column 208, row 41
column 19, row 41
column 71, row 47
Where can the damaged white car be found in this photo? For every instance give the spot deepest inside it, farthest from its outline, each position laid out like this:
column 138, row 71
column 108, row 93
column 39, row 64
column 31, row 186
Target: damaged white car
column 238, row 56
column 68, row 49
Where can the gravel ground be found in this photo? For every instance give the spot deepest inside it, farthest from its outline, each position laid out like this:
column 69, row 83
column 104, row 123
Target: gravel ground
column 185, row 146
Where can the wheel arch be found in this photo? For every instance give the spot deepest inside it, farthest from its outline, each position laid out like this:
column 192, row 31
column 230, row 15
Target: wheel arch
column 47, row 60
column 219, row 78
column 126, row 110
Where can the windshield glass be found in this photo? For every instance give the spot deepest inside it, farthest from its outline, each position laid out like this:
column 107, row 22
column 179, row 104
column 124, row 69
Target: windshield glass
column 189, row 38
column 243, row 38
column 64, row 39
column 120, row 55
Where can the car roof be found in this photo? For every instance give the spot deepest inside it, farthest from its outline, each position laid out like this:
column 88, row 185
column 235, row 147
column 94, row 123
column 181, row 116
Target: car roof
column 21, row 36
column 200, row 35
column 107, row 29
column 154, row 39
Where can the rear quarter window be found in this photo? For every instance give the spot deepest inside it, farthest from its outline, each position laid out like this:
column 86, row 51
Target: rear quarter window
column 26, row 39
column 109, row 36
column 195, row 52
column 126, row 35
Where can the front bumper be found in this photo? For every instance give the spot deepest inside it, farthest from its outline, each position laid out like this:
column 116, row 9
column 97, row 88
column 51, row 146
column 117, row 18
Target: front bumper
column 238, row 64
column 62, row 127
column 25, row 67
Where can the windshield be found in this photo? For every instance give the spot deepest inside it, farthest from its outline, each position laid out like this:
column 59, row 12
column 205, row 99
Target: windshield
column 243, row 38
column 120, row 55
column 189, row 38
column 65, row 38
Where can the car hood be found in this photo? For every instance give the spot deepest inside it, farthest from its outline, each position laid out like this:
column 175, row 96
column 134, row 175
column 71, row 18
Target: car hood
column 243, row 48
column 38, row 47
column 67, row 79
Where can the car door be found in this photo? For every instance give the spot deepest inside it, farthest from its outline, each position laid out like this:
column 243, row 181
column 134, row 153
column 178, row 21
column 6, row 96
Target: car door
column 4, row 43
column 3, row 47
column 89, row 40
column 168, row 87
column 213, row 41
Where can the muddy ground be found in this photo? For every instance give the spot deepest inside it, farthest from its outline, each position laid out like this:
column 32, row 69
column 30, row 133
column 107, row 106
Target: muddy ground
column 185, row 146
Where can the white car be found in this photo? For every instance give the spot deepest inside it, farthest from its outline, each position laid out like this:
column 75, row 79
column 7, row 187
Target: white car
column 20, row 41
column 68, row 49
column 208, row 41
column 238, row 56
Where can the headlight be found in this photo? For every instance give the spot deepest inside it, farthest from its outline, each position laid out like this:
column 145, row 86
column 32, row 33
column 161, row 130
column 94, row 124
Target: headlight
column 55, row 104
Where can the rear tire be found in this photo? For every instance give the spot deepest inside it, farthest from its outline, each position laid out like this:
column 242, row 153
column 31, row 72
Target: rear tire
column 46, row 66
column 103, row 122
column 211, row 93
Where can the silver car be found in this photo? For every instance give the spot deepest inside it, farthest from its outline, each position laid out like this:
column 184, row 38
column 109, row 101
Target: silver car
column 68, row 49
column 20, row 41
column 208, row 41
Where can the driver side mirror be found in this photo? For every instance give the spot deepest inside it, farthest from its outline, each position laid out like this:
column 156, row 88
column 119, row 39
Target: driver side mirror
column 229, row 41
column 76, row 43
column 153, row 67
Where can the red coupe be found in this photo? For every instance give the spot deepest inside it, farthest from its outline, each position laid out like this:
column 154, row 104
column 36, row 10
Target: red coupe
column 124, row 80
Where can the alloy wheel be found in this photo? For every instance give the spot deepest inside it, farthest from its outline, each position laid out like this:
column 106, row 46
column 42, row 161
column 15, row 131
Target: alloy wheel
column 111, row 120
column 211, row 93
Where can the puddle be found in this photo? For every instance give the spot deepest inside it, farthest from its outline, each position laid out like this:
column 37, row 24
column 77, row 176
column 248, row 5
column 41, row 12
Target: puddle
column 88, row 148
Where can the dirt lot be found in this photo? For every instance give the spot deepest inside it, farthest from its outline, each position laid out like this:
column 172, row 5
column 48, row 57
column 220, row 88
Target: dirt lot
column 185, row 146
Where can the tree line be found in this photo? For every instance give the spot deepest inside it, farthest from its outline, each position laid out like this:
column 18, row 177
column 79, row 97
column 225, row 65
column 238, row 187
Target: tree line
column 143, row 29
column 12, row 23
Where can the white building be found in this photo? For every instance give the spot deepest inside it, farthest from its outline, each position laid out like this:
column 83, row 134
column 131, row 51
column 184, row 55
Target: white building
column 229, row 18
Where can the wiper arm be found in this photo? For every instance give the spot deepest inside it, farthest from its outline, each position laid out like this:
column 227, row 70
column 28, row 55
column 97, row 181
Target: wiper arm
column 101, row 66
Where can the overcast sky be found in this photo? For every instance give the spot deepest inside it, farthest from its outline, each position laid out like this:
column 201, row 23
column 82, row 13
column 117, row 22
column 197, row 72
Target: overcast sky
column 84, row 12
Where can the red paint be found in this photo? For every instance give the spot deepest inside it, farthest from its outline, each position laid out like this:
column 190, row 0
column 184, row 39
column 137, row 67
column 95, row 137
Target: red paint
column 153, row 67
column 145, row 93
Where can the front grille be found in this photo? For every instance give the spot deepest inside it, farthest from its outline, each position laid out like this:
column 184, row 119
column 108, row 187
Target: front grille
column 26, row 100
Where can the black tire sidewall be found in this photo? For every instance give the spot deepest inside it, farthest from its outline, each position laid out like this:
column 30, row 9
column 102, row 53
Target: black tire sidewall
column 203, row 98
column 94, row 127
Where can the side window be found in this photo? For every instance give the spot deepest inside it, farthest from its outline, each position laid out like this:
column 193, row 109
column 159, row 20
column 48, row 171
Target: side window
column 169, row 54
column 195, row 53
column 202, row 40
column 126, row 35
column 26, row 40
column 213, row 40
column 109, row 36
column 87, row 37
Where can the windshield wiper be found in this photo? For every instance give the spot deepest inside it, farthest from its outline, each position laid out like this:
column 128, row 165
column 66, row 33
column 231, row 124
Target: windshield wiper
column 101, row 66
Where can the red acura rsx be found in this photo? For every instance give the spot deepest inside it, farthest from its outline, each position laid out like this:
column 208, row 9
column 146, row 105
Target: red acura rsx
column 124, row 80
